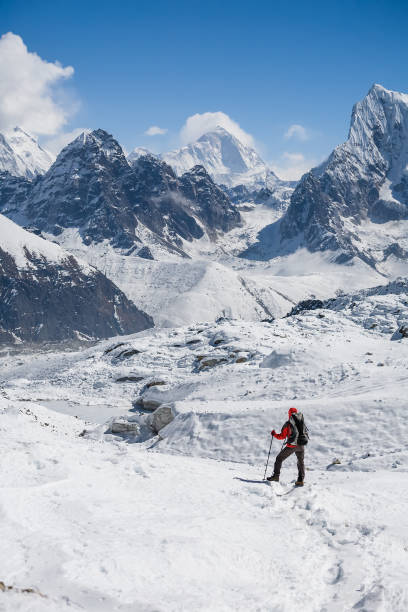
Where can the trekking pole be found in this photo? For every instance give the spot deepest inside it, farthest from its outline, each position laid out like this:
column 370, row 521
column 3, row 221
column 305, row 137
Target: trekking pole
column 269, row 454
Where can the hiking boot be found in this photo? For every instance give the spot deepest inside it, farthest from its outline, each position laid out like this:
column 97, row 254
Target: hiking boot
column 299, row 483
column 273, row 478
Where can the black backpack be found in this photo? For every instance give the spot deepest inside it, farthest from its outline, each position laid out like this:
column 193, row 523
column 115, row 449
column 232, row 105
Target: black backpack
column 300, row 432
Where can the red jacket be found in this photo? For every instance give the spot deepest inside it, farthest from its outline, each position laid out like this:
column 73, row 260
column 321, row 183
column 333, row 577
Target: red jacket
column 285, row 432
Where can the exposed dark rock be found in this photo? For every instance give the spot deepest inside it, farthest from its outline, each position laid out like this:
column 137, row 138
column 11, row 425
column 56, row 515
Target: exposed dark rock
column 331, row 201
column 130, row 378
column 208, row 201
column 50, row 301
column 127, row 353
column 306, row 305
column 211, row 361
column 403, row 330
column 396, row 250
column 112, row 348
column 92, row 187
column 145, row 253
column 276, row 196
column 155, row 383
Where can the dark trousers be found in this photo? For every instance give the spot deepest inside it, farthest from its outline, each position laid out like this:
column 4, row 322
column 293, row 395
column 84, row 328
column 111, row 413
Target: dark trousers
column 287, row 452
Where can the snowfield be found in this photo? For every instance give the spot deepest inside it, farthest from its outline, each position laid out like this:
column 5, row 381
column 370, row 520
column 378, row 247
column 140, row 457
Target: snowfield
column 181, row 520
column 215, row 282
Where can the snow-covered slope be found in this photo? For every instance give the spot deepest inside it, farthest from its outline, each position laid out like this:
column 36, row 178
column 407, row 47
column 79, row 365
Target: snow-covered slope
column 91, row 518
column 356, row 203
column 21, row 155
column 16, row 241
column 47, row 294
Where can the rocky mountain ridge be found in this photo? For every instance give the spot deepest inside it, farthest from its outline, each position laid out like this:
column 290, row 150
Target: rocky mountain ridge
column 46, row 294
column 345, row 204
column 237, row 167
column 92, row 188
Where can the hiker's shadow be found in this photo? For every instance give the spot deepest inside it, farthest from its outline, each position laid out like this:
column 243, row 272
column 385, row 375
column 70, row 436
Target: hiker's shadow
column 251, row 481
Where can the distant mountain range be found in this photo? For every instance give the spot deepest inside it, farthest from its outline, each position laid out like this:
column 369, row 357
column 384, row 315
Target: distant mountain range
column 354, row 205
column 230, row 163
column 93, row 189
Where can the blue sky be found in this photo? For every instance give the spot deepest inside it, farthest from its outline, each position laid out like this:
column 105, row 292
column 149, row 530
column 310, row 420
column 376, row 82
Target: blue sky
column 268, row 65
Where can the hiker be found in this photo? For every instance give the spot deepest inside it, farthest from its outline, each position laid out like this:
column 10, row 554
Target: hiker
column 297, row 436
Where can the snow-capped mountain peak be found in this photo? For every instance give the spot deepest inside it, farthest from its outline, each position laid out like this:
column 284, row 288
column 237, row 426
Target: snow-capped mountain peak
column 21, row 155
column 380, row 112
column 341, row 205
column 227, row 159
column 96, row 142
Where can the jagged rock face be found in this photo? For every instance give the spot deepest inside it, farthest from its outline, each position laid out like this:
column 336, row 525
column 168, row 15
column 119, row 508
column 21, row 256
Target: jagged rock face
column 14, row 193
column 365, row 180
column 210, row 203
column 81, row 190
column 235, row 167
column 230, row 163
column 276, row 196
column 48, row 295
column 92, row 187
column 158, row 201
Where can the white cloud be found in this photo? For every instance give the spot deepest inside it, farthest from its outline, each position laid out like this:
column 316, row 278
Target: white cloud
column 199, row 124
column 28, row 89
column 291, row 166
column 297, row 131
column 57, row 143
column 155, row 130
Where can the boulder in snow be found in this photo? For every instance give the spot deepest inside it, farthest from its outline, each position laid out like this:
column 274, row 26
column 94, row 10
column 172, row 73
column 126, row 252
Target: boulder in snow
column 124, row 427
column 161, row 417
column 211, row 361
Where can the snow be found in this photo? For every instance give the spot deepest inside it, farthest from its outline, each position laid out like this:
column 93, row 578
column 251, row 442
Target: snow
column 377, row 143
column 21, row 155
column 110, row 527
column 226, row 159
column 215, row 281
column 183, row 521
column 15, row 240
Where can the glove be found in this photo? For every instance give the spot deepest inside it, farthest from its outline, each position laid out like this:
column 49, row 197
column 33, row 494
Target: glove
column 273, row 432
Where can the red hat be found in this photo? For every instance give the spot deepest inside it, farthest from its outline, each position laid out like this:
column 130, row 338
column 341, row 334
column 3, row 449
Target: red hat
column 291, row 411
